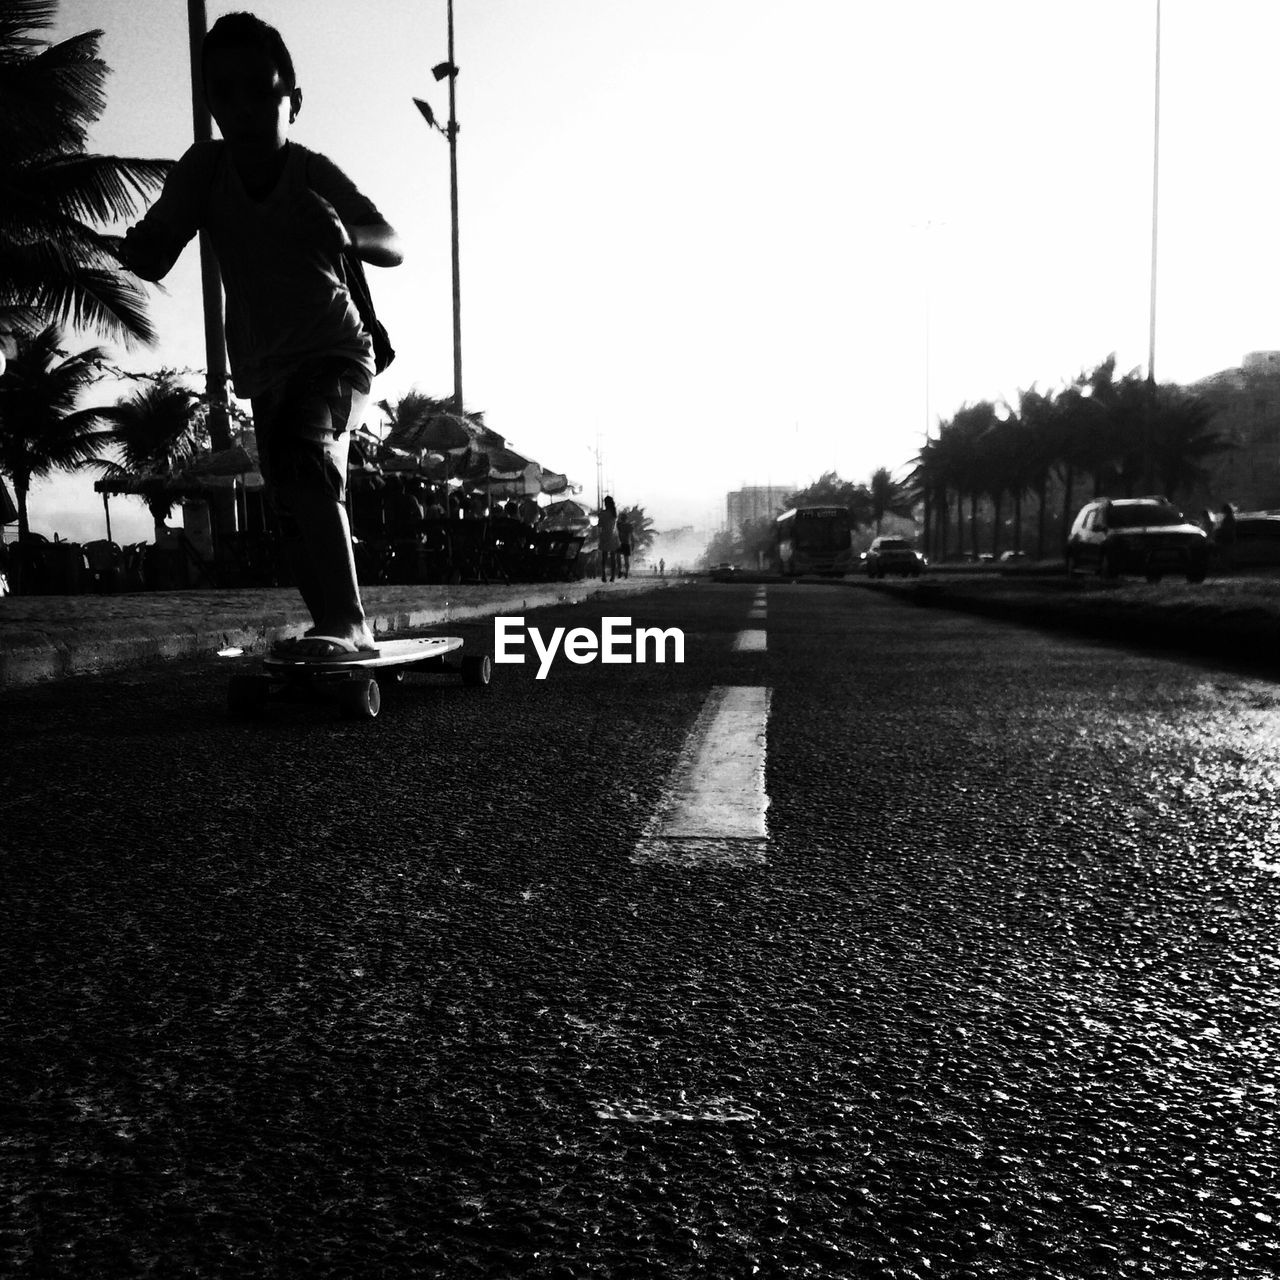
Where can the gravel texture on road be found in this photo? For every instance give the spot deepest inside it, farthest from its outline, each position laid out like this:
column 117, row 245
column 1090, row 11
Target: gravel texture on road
column 329, row 1000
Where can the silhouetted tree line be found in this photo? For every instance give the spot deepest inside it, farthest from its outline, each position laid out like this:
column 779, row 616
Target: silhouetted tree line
column 1100, row 435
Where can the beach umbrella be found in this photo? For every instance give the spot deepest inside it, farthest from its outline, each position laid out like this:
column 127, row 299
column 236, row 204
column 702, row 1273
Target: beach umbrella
column 522, row 484
column 552, row 482
column 507, row 464
column 565, row 514
column 436, row 433
column 400, row 463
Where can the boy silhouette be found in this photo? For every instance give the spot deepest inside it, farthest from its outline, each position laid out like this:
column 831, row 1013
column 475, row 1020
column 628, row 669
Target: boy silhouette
column 280, row 217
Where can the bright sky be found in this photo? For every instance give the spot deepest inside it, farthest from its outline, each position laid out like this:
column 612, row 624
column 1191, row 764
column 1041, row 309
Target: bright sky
column 709, row 232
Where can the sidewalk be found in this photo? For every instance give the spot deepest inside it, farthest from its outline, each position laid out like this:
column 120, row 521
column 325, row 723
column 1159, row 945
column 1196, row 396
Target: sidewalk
column 49, row 637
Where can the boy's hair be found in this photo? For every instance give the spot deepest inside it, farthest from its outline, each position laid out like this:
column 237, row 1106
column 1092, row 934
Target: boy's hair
column 247, row 30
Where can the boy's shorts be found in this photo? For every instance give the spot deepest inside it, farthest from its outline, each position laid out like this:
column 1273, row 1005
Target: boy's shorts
column 302, row 426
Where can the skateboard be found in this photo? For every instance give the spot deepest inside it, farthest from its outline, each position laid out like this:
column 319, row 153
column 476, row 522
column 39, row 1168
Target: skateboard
column 354, row 683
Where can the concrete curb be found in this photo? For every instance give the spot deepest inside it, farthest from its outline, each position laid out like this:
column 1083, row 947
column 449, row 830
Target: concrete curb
column 54, row 637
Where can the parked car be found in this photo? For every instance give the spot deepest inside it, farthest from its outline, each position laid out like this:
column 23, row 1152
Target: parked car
column 892, row 555
column 1257, row 539
column 1137, row 535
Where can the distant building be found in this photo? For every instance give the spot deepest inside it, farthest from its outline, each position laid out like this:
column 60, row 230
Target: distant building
column 761, row 502
column 1246, row 402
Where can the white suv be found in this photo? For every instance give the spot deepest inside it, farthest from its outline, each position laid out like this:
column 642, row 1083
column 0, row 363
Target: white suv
column 1137, row 535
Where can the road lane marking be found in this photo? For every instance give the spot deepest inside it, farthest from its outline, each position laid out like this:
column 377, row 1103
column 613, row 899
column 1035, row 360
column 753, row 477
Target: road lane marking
column 712, row 809
column 751, row 641
column 758, row 614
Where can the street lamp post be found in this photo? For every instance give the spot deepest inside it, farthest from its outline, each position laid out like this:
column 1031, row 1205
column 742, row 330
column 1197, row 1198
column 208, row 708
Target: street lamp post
column 1150, row 414
column 442, row 70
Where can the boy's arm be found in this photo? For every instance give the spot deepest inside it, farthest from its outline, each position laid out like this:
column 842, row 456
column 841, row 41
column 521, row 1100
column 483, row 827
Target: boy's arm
column 377, row 243
column 151, row 246
column 365, row 230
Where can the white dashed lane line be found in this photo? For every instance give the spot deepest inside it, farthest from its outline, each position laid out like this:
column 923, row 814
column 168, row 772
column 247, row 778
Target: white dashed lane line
column 751, row 642
column 712, row 809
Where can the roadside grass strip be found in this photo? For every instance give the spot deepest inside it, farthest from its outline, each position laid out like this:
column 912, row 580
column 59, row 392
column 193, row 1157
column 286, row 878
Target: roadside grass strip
column 751, row 641
column 712, row 809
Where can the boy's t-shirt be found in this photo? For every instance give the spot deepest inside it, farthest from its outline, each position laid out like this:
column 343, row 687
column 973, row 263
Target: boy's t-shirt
column 286, row 300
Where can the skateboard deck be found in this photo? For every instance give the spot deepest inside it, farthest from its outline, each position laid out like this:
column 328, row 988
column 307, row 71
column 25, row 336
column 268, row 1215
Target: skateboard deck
column 356, row 681
column 389, row 653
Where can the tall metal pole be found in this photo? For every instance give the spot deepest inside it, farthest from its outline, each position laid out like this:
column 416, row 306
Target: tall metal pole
column 1148, row 443
column 453, row 209
column 933, row 519
column 215, row 350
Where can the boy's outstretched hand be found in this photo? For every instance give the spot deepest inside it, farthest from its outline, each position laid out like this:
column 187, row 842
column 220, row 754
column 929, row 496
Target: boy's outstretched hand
column 145, row 251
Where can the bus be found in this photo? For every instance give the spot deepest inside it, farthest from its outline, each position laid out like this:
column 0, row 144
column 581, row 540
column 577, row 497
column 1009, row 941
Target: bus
column 814, row 540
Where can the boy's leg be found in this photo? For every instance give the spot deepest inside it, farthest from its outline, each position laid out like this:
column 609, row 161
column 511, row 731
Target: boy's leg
column 304, row 441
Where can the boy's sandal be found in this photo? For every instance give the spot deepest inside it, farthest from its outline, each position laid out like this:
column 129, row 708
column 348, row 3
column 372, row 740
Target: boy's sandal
column 338, row 649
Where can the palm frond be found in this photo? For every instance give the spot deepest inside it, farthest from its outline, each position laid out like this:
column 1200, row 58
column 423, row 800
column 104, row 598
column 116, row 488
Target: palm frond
column 20, row 17
column 92, row 298
column 74, row 186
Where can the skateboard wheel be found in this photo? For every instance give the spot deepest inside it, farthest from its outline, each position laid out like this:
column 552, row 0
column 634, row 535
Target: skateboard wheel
column 361, row 700
column 246, row 696
column 476, row 669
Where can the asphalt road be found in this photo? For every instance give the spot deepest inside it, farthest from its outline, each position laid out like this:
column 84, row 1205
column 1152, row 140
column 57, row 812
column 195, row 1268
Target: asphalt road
column 319, row 998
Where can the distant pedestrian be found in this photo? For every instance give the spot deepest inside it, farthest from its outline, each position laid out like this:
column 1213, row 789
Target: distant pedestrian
column 1225, row 539
column 662, row 568
column 624, row 545
column 404, row 508
column 435, row 509
column 607, row 532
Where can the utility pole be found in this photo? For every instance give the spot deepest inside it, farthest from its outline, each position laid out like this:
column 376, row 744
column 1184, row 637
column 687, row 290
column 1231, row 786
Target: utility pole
column 450, row 131
column 453, row 211
column 1150, row 414
column 215, row 348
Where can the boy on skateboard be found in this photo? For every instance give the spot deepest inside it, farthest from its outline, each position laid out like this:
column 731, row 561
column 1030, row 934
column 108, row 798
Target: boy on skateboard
column 280, row 217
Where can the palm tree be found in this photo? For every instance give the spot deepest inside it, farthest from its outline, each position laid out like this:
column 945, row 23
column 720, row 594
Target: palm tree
column 970, row 468
column 1183, row 439
column 41, row 428
column 944, row 468
column 1014, row 455
column 888, row 496
column 642, row 530
column 1076, row 420
column 928, row 484
column 155, row 430
column 1038, row 436
column 54, row 266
